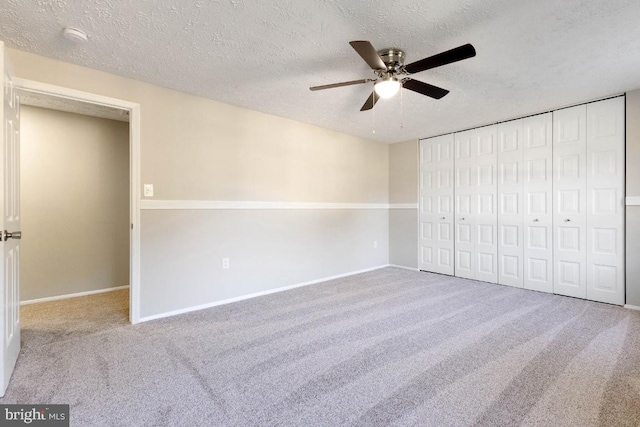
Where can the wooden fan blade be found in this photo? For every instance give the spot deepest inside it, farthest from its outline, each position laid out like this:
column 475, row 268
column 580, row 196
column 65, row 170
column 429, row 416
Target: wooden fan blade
column 370, row 102
column 369, row 54
column 352, row 82
column 425, row 88
column 457, row 54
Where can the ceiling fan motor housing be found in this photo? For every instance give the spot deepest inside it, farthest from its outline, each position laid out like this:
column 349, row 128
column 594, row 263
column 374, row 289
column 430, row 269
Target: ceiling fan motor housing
column 393, row 58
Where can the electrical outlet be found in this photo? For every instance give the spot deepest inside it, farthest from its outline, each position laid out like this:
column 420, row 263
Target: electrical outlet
column 375, row 244
column 148, row 190
column 225, row 263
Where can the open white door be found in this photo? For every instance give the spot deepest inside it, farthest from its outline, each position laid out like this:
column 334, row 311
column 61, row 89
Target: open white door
column 10, row 226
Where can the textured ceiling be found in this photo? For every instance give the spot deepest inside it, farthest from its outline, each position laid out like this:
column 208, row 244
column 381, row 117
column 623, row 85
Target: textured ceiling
column 37, row 99
column 532, row 55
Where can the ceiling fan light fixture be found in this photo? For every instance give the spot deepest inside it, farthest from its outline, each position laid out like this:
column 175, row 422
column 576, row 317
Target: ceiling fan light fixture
column 387, row 87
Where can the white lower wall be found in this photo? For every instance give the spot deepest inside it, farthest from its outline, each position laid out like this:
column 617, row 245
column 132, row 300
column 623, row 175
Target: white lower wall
column 182, row 251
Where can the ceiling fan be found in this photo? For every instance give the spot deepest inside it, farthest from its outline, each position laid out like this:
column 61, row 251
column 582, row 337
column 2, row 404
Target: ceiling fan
column 392, row 74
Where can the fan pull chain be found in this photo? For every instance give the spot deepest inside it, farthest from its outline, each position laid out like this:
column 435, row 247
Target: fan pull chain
column 373, row 101
column 401, row 110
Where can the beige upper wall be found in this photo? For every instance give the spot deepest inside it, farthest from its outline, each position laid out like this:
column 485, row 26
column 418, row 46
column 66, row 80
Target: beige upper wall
column 633, row 143
column 75, row 203
column 403, row 172
column 194, row 148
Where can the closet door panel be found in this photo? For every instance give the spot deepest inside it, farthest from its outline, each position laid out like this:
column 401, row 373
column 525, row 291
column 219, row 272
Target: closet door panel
column 486, row 213
column 569, row 204
column 427, row 202
column 436, row 205
column 465, row 204
column 444, row 190
column 605, row 201
column 510, row 203
column 538, row 199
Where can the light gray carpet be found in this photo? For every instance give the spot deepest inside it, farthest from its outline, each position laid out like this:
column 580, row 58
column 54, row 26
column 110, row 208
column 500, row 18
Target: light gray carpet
column 388, row 348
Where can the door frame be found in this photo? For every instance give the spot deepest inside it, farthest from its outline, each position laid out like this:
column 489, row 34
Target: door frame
column 134, row 171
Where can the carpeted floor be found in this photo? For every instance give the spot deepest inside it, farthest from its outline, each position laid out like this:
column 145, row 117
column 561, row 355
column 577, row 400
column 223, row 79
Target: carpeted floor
column 385, row 348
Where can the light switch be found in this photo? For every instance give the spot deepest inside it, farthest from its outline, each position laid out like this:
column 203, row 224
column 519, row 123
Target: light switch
column 148, row 190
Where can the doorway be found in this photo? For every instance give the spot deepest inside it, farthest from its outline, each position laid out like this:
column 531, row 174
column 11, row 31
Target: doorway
column 70, row 101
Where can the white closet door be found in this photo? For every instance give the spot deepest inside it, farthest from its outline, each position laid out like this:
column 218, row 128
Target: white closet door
column 444, row 206
column 427, row 202
column 476, row 206
column 465, row 203
column 537, row 199
column 569, row 207
column 605, row 200
column 510, row 219
column 436, row 201
column 486, row 215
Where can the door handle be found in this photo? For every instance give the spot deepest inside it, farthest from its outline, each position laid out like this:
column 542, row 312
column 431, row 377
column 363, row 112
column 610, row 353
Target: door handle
column 443, row 218
column 15, row 235
column 567, row 220
column 536, row 220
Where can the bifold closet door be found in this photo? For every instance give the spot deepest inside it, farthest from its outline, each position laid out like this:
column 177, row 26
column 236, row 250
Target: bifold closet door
column 510, row 218
column 436, row 205
column 605, row 200
column 537, row 199
column 476, row 205
column 525, row 253
column 465, row 201
column 570, row 201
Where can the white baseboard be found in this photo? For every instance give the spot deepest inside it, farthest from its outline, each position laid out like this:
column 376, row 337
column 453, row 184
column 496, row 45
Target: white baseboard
column 404, row 267
column 632, row 307
column 76, row 295
column 403, row 206
column 251, row 205
column 257, row 294
column 256, row 205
